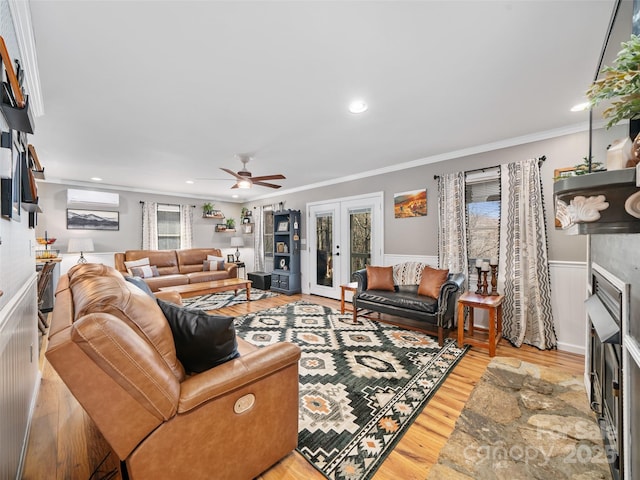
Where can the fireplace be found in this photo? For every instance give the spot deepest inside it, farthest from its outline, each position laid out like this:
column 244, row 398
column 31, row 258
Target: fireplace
column 606, row 309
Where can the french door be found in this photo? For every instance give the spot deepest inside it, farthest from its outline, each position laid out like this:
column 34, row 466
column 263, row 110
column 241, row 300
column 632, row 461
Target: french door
column 344, row 236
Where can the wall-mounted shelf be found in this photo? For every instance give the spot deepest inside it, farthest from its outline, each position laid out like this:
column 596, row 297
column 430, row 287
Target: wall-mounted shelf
column 597, row 203
column 13, row 103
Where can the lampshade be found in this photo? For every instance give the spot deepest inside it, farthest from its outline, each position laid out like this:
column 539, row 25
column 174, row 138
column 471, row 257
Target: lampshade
column 80, row 245
column 237, row 242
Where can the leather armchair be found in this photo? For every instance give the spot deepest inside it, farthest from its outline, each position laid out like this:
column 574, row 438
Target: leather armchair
column 113, row 348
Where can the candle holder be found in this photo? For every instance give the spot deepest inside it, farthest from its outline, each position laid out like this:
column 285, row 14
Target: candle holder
column 494, row 280
column 485, row 285
column 479, row 290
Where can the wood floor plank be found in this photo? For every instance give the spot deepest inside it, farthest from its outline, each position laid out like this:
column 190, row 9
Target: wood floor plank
column 65, row 444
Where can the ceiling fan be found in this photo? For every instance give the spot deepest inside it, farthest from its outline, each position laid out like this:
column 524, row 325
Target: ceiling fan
column 245, row 180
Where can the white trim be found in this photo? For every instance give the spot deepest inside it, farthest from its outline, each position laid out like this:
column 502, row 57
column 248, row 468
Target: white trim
column 21, row 15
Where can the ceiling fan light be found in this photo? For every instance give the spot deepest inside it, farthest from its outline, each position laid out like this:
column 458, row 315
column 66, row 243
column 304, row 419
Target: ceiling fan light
column 244, row 184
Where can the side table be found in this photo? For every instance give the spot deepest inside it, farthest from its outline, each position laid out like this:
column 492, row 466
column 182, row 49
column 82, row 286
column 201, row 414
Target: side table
column 349, row 287
column 240, row 265
column 492, row 303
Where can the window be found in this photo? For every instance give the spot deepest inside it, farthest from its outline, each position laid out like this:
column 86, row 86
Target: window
column 482, row 192
column 168, row 227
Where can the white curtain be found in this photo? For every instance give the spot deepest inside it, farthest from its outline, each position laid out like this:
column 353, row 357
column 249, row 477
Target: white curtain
column 186, row 226
column 523, row 271
column 452, row 234
column 258, row 240
column 149, row 226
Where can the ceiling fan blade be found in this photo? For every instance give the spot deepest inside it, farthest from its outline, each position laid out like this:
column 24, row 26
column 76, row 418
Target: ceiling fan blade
column 265, row 184
column 278, row 176
column 235, row 186
column 231, row 172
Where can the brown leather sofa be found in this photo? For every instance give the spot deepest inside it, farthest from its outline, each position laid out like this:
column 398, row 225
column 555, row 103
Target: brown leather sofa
column 177, row 267
column 113, row 348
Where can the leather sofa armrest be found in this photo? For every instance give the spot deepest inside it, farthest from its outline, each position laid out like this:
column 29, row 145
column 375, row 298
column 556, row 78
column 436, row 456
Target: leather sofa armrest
column 360, row 276
column 232, row 269
column 236, row 373
column 119, row 259
column 169, row 296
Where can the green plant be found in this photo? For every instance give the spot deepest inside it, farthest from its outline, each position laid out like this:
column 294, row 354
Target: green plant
column 207, row 208
column 620, row 82
column 583, row 168
column 231, row 223
column 244, row 211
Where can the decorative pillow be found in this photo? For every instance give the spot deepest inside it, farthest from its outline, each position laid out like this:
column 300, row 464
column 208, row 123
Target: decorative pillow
column 135, row 263
column 432, row 280
column 380, row 278
column 145, row 271
column 213, row 257
column 213, row 265
column 141, row 284
column 202, row 340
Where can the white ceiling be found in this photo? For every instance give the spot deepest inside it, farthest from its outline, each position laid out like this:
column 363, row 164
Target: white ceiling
column 149, row 94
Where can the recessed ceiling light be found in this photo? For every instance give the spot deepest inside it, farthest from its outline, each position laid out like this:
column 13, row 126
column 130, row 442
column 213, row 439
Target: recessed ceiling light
column 234, row 196
column 580, row 107
column 358, row 106
column 96, row 179
column 190, row 182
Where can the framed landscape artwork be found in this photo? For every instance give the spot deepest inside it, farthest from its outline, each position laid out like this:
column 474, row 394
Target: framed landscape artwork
column 92, row 220
column 410, row 204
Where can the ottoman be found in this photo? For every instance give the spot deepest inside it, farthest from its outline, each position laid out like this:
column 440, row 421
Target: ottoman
column 261, row 280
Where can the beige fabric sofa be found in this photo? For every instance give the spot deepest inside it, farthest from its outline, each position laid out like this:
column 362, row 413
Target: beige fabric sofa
column 113, row 348
column 177, row 267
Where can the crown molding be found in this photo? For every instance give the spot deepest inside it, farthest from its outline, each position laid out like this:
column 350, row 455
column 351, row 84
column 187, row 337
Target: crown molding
column 21, row 15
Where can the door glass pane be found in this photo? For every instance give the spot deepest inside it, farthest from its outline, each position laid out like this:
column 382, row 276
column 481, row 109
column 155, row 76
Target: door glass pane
column 324, row 259
column 360, row 234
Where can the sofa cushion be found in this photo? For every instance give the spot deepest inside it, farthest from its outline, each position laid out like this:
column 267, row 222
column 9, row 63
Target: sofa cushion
column 405, row 297
column 202, row 340
column 155, row 283
column 165, row 260
column 380, row 278
column 141, row 284
column 191, row 259
column 101, row 289
column 196, row 277
column 432, row 280
column 145, row 271
column 136, row 263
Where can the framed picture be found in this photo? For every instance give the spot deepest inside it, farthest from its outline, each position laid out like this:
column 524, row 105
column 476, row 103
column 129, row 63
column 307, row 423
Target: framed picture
column 6, row 187
column 230, row 258
column 280, row 247
column 560, row 173
column 410, row 204
column 248, row 228
column 92, row 220
column 16, row 176
column 246, row 220
column 283, row 226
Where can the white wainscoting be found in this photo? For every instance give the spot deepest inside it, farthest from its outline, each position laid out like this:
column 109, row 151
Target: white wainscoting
column 568, row 293
column 19, row 376
column 394, row 258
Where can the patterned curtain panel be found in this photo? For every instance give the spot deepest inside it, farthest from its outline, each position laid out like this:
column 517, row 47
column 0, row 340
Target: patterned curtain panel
column 452, row 235
column 186, row 226
column 523, row 271
column 258, row 240
column 149, row 226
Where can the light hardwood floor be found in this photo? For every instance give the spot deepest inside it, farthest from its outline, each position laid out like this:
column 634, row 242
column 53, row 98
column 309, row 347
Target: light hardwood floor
column 64, row 444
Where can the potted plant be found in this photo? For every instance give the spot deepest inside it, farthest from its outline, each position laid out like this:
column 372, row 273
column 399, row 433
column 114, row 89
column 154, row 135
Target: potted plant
column 620, row 83
column 231, row 224
column 207, row 209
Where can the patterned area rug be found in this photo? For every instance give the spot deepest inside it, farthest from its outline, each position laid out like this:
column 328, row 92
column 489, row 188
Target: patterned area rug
column 524, row 421
column 361, row 386
column 214, row 301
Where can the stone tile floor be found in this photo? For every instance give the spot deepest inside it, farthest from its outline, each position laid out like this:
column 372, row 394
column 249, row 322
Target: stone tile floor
column 524, row 421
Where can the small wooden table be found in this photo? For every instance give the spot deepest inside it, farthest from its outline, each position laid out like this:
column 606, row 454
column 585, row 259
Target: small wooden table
column 349, row 287
column 202, row 288
column 492, row 303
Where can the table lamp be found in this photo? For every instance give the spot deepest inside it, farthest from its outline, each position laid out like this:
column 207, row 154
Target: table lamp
column 80, row 245
column 237, row 242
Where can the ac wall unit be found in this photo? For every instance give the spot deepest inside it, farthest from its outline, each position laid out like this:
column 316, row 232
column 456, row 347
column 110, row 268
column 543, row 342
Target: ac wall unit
column 91, row 198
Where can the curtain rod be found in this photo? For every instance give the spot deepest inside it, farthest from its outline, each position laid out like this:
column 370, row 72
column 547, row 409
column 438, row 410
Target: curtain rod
column 484, row 169
column 192, row 206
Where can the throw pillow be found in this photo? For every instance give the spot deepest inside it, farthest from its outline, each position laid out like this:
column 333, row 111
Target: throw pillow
column 202, row 340
column 213, row 265
column 380, row 278
column 141, row 284
column 135, row 263
column 432, row 280
column 145, row 271
column 213, row 257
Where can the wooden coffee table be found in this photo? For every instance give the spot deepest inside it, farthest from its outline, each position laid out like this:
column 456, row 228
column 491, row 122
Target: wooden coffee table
column 202, row 288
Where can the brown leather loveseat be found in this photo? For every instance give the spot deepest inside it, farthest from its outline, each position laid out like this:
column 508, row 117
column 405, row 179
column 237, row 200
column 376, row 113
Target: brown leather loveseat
column 113, row 348
column 177, row 267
